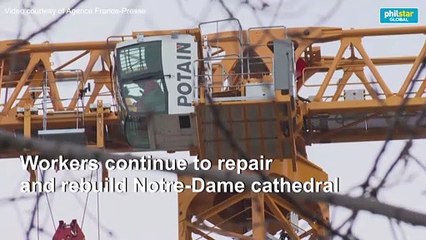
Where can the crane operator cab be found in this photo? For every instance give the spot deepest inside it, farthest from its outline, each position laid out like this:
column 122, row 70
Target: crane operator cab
column 155, row 90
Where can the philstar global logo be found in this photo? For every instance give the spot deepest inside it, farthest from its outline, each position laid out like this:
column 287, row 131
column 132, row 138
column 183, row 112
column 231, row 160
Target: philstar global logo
column 399, row 15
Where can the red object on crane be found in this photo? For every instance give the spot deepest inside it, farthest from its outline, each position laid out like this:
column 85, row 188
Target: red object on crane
column 68, row 232
column 300, row 67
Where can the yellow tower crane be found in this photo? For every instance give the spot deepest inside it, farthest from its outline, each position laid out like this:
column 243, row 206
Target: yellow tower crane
column 220, row 95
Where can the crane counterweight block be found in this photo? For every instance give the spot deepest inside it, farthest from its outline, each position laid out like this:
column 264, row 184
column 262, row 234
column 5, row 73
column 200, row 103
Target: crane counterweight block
column 68, row 232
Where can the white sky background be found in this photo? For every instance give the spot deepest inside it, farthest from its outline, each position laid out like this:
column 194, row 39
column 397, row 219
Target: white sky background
column 154, row 216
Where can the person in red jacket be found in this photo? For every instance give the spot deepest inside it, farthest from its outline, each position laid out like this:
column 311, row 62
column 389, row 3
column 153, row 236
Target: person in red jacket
column 300, row 67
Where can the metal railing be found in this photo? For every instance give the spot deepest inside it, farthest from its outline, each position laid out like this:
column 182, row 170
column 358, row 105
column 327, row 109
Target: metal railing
column 237, row 81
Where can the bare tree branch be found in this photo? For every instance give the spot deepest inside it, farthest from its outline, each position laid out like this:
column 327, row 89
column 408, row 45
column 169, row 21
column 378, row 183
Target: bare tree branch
column 41, row 30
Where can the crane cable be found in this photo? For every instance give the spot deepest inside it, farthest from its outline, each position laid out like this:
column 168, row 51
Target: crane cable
column 86, row 203
column 38, row 215
column 42, row 177
column 97, row 205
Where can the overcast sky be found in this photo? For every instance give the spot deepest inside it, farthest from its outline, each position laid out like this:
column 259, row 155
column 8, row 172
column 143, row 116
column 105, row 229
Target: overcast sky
column 154, row 216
